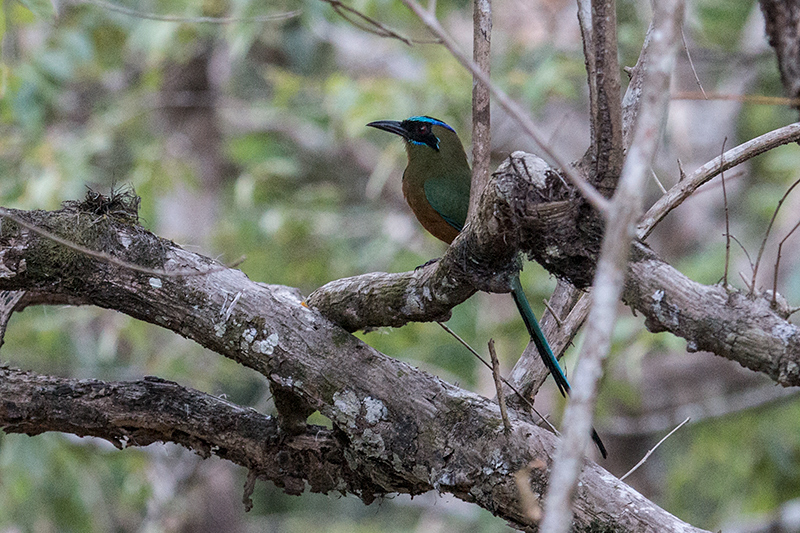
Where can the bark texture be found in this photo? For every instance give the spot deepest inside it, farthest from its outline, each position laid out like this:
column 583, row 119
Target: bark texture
column 527, row 207
column 783, row 31
column 396, row 429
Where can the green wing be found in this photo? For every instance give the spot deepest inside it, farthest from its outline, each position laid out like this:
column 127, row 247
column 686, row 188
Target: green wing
column 449, row 198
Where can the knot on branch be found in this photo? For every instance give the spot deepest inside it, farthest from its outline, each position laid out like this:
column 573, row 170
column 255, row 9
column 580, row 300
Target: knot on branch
column 557, row 227
column 526, row 207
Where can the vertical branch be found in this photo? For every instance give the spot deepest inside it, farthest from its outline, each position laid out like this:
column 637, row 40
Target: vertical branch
column 590, row 60
column 633, row 93
column 498, row 385
column 481, row 116
column 602, row 64
column 626, row 207
column 514, row 110
column 783, row 30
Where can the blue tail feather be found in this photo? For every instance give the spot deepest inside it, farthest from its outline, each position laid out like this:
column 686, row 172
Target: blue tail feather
column 542, row 346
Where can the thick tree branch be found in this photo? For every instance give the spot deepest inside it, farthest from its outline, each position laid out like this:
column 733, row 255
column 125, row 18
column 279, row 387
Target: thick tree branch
column 526, row 207
column 573, row 306
column 712, row 318
column 138, row 413
column 404, row 430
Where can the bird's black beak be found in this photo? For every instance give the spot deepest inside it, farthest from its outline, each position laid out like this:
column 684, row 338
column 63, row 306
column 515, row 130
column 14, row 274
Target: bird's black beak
column 392, row 126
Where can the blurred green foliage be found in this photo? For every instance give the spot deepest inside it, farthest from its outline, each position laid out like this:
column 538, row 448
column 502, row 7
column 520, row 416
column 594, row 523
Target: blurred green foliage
column 753, row 473
column 308, row 194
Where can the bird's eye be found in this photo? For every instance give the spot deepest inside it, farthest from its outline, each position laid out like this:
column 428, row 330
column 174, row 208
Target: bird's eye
column 423, row 129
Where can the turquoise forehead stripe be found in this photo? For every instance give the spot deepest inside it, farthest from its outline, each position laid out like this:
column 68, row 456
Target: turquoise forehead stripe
column 431, row 120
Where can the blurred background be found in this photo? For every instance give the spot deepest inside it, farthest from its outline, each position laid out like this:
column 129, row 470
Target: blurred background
column 249, row 138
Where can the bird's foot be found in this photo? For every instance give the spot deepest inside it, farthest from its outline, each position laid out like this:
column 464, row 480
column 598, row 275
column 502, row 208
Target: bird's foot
column 432, row 261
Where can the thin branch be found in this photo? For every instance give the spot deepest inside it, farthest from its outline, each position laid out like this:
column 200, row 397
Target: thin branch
column 757, row 99
column 498, row 385
column 766, row 234
column 611, row 268
column 778, row 264
column 735, row 156
column 658, row 182
column 746, row 282
column 744, row 250
column 727, row 218
column 369, row 24
column 510, row 386
column 174, row 18
column 651, row 450
column 691, row 64
column 512, row 108
column 552, row 312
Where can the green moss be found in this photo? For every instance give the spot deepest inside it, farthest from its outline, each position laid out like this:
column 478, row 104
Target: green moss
column 94, row 223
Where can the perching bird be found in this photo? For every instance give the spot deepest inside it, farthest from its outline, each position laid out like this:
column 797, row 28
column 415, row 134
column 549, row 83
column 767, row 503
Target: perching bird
column 436, row 185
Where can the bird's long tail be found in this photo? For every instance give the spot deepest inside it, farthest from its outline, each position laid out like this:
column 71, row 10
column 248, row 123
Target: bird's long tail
column 549, row 359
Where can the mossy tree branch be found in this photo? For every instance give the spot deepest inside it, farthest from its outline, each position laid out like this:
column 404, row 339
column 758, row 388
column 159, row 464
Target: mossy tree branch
column 401, row 430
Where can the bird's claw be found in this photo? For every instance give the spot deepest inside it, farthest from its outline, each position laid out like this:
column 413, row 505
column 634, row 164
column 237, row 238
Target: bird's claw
column 432, row 261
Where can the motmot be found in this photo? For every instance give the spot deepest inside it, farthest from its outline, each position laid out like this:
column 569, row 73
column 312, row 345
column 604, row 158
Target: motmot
column 436, row 185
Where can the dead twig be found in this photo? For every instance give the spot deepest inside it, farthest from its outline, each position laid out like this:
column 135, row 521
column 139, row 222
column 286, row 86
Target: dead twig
column 766, row 234
column 691, row 64
column 778, row 262
column 744, row 250
column 727, row 218
column 175, row 18
column 553, row 312
column 498, row 385
column 744, row 98
column 487, row 365
column 651, row 450
column 658, row 182
column 369, row 24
